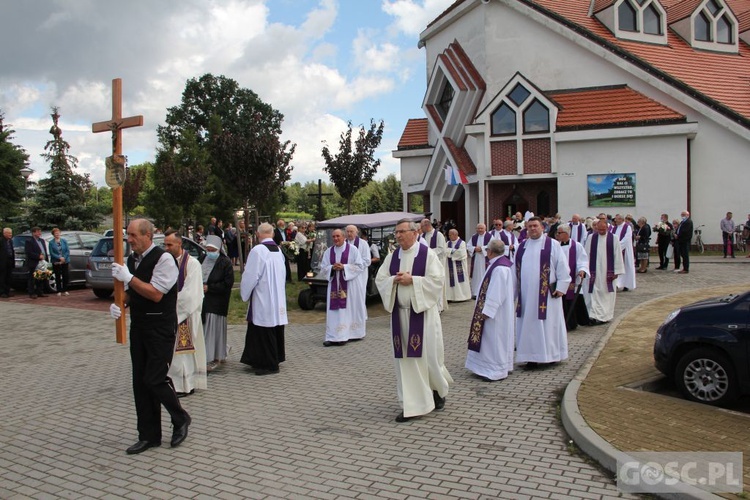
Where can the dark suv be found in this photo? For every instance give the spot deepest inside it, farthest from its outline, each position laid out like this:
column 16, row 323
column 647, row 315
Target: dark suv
column 99, row 269
column 80, row 243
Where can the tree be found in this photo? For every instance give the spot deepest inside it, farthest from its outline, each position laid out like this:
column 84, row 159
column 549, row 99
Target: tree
column 351, row 169
column 60, row 199
column 12, row 160
column 239, row 135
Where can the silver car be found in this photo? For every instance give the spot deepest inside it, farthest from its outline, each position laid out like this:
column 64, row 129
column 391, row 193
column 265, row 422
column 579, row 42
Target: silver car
column 99, row 269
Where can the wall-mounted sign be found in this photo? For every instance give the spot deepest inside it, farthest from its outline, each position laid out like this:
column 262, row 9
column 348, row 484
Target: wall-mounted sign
column 611, row 190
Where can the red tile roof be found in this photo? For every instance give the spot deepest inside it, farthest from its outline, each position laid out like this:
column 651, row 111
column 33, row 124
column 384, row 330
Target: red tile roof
column 719, row 80
column 415, row 134
column 461, row 156
column 609, row 107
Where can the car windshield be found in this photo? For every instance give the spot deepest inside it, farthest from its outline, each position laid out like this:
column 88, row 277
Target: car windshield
column 106, row 248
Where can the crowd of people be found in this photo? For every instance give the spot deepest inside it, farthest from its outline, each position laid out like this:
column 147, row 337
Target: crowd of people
column 532, row 280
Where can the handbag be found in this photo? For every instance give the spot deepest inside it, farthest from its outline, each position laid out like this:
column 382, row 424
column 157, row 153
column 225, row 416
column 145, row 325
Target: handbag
column 184, row 338
column 670, row 252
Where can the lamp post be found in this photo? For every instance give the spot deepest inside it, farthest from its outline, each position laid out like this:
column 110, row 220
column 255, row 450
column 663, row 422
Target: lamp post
column 26, row 173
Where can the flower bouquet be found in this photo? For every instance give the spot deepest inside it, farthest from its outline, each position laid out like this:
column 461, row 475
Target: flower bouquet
column 290, row 249
column 43, row 271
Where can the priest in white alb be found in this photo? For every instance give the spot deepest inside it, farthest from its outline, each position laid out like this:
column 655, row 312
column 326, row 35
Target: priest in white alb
column 263, row 286
column 574, row 305
column 578, row 230
column 477, row 249
column 358, row 288
column 509, row 239
column 605, row 265
column 623, row 231
column 345, row 318
column 491, row 334
column 435, row 240
column 543, row 278
column 457, row 269
column 188, row 368
column 410, row 283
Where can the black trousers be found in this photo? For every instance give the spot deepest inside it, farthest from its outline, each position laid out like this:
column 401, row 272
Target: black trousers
column 151, row 350
column 578, row 317
column 663, row 245
column 264, row 347
column 33, row 286
column 62, row 277
column 684, row 255
column 5, row 278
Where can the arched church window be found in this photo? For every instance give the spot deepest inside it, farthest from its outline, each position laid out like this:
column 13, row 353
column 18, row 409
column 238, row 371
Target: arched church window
column 503, row 120
column 627, row 16
column 536, row 118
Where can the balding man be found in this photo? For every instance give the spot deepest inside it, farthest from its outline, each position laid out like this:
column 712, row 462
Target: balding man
column 435, row 240
column 358, row 290
column 150, row 279
column 578, row 230
column 342, row 264
column 477, row 249
column 509, row 239
column 263, row 287
column 7, row 262
column 623, row 231
column 684, row 236
column 458, row 288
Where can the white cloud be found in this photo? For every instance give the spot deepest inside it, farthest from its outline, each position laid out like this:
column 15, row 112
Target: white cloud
column 413, row 16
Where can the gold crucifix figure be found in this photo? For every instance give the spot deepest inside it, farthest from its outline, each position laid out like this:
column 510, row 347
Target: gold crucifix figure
column 115, row 179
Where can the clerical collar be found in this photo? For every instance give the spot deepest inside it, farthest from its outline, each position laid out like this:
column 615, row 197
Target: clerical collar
column 565, row 244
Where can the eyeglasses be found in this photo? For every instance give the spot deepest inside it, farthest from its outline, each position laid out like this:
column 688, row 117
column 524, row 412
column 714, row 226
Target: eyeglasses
column 402, row 231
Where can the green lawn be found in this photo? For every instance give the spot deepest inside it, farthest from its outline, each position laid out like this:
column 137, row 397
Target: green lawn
column 238, row 308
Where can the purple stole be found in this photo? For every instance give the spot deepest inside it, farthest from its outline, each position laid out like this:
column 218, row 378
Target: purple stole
column 433, row 240
column 487, row 237
column 522, row 235
column 622, row 234
column 577, row 228
column 182, row 270
column 416, row 320
column 545, row 256
column 459, row 264
column 610, row 261
column 272, row 247
column 507, row 240
column 572, row 264
column 338, row 283
column 477, row 321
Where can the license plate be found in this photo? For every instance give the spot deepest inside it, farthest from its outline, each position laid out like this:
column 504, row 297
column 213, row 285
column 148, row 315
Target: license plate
column 105, row 265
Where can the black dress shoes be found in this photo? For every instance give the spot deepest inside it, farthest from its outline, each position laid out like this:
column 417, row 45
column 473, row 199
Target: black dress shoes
column 328, row 343
column 142, row 446
column 400, row 418
column 439, row 402
column 531, row 365
column 264, row 371
column 180, row 433
column 185, row 394
column 596, row 322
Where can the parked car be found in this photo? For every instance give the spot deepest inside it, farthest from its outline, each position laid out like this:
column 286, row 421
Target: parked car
column 705, row 349
column 80, row 243
column 380, row 226
column 111, row 232
column 99, row 269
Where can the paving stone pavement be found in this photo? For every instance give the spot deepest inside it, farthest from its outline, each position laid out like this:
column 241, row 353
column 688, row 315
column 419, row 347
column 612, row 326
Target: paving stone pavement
column 322, row 428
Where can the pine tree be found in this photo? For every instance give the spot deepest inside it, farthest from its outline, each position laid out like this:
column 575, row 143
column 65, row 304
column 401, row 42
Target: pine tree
column 12, row 160
column 60, row 199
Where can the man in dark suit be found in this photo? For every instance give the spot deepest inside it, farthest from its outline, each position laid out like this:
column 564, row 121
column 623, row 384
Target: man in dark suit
column 684, row 237
column 7, row 262
column 36, row 251
column 279, row 236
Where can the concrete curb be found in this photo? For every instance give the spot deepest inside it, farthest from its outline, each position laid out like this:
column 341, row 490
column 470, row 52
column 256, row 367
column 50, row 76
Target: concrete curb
column 592, row 443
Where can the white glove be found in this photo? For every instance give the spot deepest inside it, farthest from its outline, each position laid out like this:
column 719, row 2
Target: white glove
column 114, row 311
column 121, row 273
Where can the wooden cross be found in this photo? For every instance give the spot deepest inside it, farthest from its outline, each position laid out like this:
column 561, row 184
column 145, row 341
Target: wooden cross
column 115, row 125
column 320, row 194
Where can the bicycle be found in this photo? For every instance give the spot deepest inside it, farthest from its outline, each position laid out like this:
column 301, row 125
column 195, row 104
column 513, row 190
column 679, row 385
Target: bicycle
column 739, row 241
column 699, row 240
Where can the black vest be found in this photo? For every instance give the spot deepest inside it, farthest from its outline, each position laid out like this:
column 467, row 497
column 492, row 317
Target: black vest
column 144, row 312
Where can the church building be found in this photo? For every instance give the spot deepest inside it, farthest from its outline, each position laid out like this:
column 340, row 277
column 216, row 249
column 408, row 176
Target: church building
column 583, row 106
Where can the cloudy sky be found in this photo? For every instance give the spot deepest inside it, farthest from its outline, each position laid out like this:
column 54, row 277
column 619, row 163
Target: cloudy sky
column 319, row 62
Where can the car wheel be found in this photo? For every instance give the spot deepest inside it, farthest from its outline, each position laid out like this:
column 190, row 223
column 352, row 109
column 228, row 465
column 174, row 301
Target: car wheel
column 306, row 299
column 707, row 376
column 102, row 293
